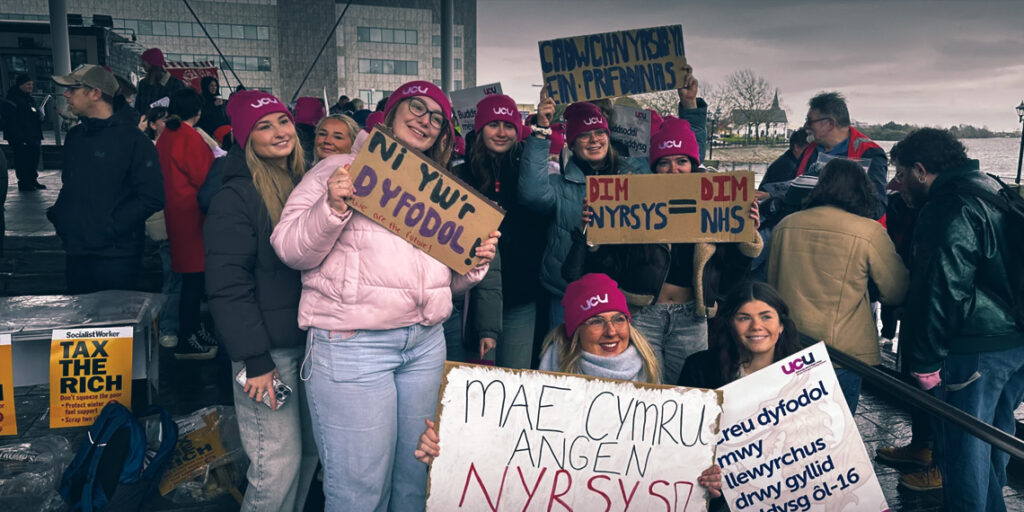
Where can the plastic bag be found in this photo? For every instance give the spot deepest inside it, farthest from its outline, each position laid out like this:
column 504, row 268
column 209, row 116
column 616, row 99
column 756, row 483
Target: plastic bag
column 30, row 473
column 208, row 460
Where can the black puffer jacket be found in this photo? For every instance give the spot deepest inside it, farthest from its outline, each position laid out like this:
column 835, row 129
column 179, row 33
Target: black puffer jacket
column 964, row 271
column 254, row 298
column 24, row 126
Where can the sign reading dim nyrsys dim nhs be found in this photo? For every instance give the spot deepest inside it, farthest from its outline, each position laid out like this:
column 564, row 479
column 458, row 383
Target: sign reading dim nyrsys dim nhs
column 672, row 208
column 407, row 193
column 612, row 64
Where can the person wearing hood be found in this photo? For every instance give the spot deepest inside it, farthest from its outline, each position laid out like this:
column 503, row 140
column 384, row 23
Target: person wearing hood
column 24, row 131
column 157, row 83
column 254, row 300
column 111, row 183
column 308, row 112
column 213, row 115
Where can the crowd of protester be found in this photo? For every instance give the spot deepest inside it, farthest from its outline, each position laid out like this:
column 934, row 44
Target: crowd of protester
column 247, row 200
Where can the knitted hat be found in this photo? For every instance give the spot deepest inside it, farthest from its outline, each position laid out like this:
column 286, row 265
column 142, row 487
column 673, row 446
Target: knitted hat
column 557, row 138
column 21, row 79
column 460, row 145
column 309, row 110
column 372, row 120
column 154, row 57
column 89, row 75
column 582, row 117
column 588, row 296
column 247, row 107
column 497, row 107
column 656, row 121
column 419, row 88
column 674, row 138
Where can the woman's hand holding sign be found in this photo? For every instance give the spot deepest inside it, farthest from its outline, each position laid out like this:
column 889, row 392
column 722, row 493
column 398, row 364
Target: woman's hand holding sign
column 339, row 188
column 688, row 92
column 488, row 249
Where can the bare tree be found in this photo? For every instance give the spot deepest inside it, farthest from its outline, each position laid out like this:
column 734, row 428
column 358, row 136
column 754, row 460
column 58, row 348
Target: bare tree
column 748, row 96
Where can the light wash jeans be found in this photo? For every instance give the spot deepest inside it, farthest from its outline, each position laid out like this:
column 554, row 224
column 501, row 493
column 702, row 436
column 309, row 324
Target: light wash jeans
column 369, row 393
column 279, row 443
column 172, row 293
column 675, row 331
column 988, row 386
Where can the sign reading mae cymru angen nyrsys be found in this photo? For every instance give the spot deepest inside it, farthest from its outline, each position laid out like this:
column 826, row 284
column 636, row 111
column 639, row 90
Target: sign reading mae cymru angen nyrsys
column 598, row 66
column 671, row 208
column 407, row 193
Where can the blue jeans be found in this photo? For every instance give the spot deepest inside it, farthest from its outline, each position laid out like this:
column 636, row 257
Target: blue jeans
column 850, row 383
column 282, row 454
column 172, row 293
column 515, row 345
column 988, row 386
column 674, row 331
column 369, row 393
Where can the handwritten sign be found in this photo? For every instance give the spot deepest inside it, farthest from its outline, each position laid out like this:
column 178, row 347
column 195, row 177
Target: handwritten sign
column 658, row 208
column 193, row 453
column 599, row 66
column 789, row 442
column 411, row 196
column 464, row 104
column 526, row 440
column 8, row 420
column 89, row 368
column 632, row 128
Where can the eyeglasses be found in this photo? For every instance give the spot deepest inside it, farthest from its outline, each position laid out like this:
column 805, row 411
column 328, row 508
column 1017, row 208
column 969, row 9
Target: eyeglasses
column 419, row 109
column 809, row 121
column 600, row 323
column 595, row 135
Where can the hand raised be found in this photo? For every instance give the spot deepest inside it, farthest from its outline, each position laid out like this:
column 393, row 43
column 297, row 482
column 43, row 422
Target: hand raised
column 339, row 188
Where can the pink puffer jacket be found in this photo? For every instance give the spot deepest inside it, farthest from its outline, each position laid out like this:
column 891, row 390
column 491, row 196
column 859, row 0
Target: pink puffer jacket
column 356, row 275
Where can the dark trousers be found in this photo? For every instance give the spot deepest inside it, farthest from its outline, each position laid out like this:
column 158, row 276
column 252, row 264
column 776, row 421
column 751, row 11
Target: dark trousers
column 192, row 290
column 87, row 274
column 26, row 162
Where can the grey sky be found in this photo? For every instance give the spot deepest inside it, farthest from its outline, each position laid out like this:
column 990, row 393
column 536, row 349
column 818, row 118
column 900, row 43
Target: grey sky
column 915, row 61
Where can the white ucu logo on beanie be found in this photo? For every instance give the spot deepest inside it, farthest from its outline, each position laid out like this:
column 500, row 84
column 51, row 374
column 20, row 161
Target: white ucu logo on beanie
column 503, row 111
column 592, row 121
column 415, row 89
column 594, row 301
column 671, row 144
column 263, row 101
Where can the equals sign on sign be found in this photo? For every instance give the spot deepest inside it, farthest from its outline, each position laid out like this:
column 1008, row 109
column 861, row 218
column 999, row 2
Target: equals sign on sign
column 682, row 206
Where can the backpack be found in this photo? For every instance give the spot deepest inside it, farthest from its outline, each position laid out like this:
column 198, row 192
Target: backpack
column 1009, row 201
column 113, row 469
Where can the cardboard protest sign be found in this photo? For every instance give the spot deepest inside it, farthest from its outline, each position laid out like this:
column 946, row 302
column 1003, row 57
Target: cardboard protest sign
column 194, row 451
column 599, row 66
column 408, row 194
column 789, row 442
column 8, row 422
column 464, row 104
column 658, row 208
column 527, row 440
column 192, row 73
column 632, row 128
column 89, row 368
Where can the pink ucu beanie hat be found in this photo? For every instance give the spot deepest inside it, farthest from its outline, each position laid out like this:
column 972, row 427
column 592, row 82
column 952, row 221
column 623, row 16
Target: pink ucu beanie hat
column 245, row 108
column 582, row 117
column 588, row 296
column 674, row 138
column 419, row 88
column 497, row 107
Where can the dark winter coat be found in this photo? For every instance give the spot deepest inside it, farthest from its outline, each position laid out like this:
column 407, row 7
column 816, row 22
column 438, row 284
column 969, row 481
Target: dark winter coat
column 149, row 92
column 111, row 183
column 254, row 298
column 25, row 126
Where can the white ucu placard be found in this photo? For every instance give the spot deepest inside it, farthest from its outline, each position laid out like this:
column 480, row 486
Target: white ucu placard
column 263, row 101
column 593, row 301
column 415, row 89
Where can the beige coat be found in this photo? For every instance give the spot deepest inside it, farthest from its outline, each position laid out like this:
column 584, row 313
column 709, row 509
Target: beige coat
column 820, row 261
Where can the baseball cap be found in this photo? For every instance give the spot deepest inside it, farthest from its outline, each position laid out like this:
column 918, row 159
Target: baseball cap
column 89, row 75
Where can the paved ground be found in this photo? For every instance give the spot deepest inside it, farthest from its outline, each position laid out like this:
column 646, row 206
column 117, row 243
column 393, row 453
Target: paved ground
column 33, row 264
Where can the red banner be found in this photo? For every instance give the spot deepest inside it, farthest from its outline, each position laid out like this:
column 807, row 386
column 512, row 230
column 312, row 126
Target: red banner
column 193, row 72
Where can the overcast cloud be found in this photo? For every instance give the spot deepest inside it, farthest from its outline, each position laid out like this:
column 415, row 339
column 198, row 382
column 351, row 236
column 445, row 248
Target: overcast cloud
column 936, row 63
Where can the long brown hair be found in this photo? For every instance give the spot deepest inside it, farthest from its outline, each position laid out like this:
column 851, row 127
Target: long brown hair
column 485, row 167
column 441, row 151
column 731, row 353
column 844, row 184
column 570, row 351
column 273, row 182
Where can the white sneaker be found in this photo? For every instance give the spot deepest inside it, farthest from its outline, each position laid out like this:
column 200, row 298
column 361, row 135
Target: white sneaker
column 169, row 340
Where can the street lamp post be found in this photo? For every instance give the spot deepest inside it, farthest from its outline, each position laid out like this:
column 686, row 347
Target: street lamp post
column 1020, row 156
column 714, row 131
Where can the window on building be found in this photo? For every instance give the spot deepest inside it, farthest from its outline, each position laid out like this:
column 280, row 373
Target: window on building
column 437, row 82
column 250, row 32
column 263, row 32
column 237, row 31
column 458, row 85
column 458, row 63
column 388, row 67
column 159, row 28
column 172, row 29
column 363, row 33
column 145, row 28
column 411, row 37
column 264, row 64
column 185, row 30
column 375, row 35
column 435, row 63
column 435, row 40
column 458, row 41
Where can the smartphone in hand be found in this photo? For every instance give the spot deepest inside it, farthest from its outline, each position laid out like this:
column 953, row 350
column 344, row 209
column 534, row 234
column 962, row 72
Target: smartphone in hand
column 281, row 390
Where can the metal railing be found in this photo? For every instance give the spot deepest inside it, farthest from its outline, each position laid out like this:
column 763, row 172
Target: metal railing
column 922, row 400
